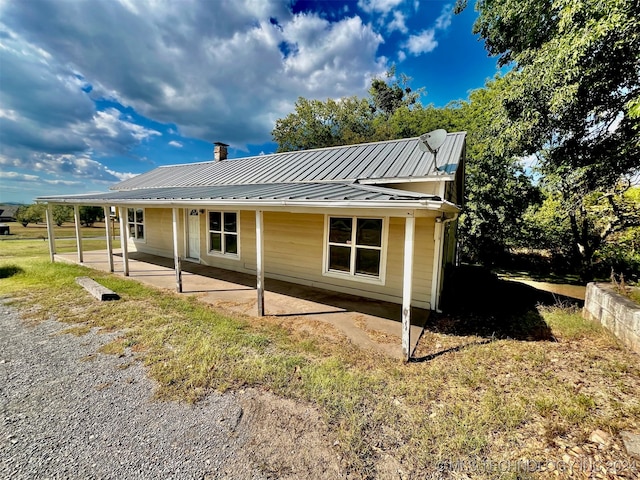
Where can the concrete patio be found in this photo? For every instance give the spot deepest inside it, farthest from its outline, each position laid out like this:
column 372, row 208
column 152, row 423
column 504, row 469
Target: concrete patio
column 370, row 324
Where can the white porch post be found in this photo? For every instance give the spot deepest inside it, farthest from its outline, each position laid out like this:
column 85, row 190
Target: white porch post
column 107, row 225
column 407, row 286
column 123, row 241
column 437, row 264
column 76, row 218
column 176, row 252
column 50, row 232
column 260, row 261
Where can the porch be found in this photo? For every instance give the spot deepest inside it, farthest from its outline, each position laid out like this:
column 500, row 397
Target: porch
column 370, row 324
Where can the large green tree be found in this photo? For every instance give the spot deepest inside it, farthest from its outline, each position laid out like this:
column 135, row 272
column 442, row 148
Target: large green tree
column 572, row 97
column 315, row 124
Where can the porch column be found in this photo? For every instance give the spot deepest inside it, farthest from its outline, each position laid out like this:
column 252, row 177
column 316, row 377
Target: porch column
column 407, row 286
column 260, row 261
column 107, row 225
column 437, row 264
column 123, row 241
column 50, row 232
column 76, row 218
column 176, row 252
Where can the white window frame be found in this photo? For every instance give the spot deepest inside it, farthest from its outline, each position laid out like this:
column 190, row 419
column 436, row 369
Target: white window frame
column 135, row 223
column 351, row 275
column 223, row 253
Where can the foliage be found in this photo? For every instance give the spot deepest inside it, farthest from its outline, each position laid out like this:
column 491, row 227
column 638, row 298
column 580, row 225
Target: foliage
column 90, row 215
column 498, row 192
column 386, row 98
column 316, row 124
column 348, row 120
column 33, row 213
column 62, row 214
column 571, row 98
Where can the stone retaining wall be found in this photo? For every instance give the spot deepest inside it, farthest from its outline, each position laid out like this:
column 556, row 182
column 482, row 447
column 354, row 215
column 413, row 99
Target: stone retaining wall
column 616, row 312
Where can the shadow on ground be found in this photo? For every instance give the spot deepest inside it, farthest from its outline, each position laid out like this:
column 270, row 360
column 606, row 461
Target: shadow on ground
column 341, row 302
column 7, row 271
column 476, row 302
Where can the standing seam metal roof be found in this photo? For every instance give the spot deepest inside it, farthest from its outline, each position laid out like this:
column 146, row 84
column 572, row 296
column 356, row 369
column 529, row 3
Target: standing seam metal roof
column 381, row 160
column 275, row 191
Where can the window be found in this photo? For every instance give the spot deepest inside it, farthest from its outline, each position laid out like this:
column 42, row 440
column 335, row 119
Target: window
column 355, row 247
column 223, row 233
column 135, row 218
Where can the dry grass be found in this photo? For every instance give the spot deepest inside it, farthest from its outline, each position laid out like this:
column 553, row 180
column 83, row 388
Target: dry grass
column 471, row 396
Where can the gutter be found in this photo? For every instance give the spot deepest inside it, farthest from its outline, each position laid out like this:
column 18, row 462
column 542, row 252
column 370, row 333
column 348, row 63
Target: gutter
column 428, row 204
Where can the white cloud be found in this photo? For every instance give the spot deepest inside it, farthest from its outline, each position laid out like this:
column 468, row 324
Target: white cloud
column 424, row 42
column 176, row 144
column 398, row 23
column 21, row 177
column 444, row 20
column 378, row 6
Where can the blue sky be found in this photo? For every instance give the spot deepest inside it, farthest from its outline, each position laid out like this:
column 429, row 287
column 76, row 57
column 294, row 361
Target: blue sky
column 95, row 91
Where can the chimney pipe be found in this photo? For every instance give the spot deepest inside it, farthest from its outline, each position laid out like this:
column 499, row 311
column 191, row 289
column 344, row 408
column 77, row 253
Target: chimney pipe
column 220, row 151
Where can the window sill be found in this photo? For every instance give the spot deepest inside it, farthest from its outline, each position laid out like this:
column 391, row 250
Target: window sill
column 354, row 278
column 229, row 256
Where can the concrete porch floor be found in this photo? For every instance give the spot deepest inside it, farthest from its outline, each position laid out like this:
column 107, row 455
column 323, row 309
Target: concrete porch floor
column 370, row 324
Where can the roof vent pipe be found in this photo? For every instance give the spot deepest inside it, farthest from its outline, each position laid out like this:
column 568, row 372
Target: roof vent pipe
column 220, row 151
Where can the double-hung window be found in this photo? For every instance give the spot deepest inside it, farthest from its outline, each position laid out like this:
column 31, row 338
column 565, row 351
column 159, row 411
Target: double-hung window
column 355, row 247
column 223, row 233
column 135, row 220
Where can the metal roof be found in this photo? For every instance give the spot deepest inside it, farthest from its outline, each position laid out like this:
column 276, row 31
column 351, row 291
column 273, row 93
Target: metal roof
column 278, row 191
column 383, row 161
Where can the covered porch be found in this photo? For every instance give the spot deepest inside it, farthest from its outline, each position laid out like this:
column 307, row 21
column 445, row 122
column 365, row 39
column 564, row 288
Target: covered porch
column 370, row 324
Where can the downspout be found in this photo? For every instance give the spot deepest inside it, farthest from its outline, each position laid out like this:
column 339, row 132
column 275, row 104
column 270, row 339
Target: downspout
column 437, row 261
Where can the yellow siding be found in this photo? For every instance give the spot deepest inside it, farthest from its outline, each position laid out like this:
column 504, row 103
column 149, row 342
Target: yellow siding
column 429, row 188
column 158, row 231
column 294, row 252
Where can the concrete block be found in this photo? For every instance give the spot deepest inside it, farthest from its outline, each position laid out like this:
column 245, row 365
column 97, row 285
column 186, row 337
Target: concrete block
column 94, row 288
column 615, row 312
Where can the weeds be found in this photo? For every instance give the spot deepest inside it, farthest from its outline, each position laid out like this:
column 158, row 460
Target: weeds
column 489, row 400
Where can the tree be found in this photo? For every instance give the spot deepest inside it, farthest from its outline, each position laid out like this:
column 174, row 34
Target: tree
column 572, row 96
column 61, row 214
column 385, row 98
column 316, row 124
column 91, row 215
column 497, row 191
column 27, row 214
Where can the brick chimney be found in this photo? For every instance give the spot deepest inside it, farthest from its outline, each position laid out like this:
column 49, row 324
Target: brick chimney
column 220, row 151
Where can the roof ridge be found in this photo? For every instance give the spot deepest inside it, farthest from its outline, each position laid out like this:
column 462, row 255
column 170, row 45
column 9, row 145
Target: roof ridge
column 334, row 147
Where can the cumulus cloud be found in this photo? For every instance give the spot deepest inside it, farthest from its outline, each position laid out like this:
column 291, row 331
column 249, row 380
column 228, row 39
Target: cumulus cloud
column 424, row 42
column 215, row 69
column 444, row 20
column 21, row 177
column 379, row 6
column 398, row 23
column 211, row 70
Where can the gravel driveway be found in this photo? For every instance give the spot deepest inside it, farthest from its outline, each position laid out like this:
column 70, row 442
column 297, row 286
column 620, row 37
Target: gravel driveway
column 69, row 412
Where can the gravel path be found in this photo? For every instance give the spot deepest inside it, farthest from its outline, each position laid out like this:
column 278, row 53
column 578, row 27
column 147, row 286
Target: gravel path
column 69, row 412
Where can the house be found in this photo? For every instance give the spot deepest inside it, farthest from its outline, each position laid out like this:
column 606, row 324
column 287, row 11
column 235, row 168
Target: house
column 8, row 213
column 376, row 220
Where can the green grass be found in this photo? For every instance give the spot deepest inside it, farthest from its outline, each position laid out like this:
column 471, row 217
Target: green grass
column 503, row 399
column 39, row 248
column 66, row 230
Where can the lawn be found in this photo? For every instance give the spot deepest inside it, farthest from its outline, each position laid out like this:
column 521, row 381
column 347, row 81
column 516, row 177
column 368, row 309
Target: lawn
column 491, row 405
column 66, row 230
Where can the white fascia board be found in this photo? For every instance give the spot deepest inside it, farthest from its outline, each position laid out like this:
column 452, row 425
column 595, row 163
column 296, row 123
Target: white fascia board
column 421, row 204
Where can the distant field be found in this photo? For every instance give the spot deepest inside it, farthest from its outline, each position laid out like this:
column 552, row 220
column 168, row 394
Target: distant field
column 67, row 230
